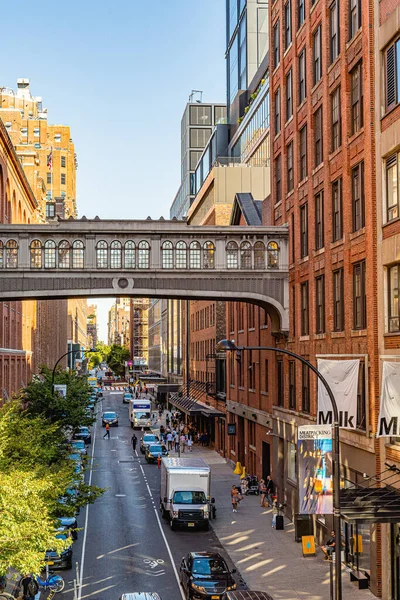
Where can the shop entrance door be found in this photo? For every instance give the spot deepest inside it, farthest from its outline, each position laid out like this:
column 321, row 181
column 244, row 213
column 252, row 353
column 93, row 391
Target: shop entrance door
column 266, row 460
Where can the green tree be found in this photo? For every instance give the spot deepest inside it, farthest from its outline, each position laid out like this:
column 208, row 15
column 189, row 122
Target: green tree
column 116, row 359
column 100, row 356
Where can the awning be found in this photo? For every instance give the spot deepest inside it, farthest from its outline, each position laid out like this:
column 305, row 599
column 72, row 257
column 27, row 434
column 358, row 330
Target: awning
column 164, row 388
column 368, row 503
column 192, row 407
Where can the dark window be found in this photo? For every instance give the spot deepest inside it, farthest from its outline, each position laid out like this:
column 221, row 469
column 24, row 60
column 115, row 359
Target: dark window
column 355, row 17
column 303, row 153
column 294, row 328
column 337, row 211
column 361, row 399
column 289, row 95
column 338, row 301
column 290, row 175
column 317, row 54
column 302, row 76
column 250, row 316
column 277, row 111
column 357, row 113
column 276, row 44
column 50, row 210
column 392, row 83
column 278, row 179
column 336, row 120
column 252, row 371
column 288, row 24
column 319, row 220
column 357, row 192
column 334, row 30
column 63, row 178
column 393, row 300
column 292, row 385
column 359, row 296
column 301, row 12
column 266, row 375
column 392, row 164
column 49, row 177
column 320, row 304
column 304, row 230
column 281, row 384
column 63, row 161
column 305, row 328
column 305, row 388
column 318, row 155
column 292, row 238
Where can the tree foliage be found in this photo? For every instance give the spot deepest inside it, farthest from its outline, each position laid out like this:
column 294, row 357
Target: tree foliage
column 117, row 357
column 95, row 358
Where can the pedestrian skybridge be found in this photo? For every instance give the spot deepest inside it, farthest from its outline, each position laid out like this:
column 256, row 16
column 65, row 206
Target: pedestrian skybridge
column 155, row 259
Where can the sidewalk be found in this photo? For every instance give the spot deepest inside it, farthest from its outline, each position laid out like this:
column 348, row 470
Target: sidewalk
column 268, row 560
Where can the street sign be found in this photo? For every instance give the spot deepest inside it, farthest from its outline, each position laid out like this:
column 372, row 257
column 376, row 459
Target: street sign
column 61, row 389
column 308, row 545
column 231, row 428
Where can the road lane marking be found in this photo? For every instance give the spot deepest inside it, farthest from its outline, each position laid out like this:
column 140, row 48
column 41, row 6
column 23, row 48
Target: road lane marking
column 86, row 519
column 163, row 535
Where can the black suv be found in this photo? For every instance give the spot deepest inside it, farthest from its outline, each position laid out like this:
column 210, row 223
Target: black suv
column 206, row 575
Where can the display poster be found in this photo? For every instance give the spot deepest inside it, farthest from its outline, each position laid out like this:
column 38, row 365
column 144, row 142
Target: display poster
column 389, row 414
column 314, row 454
column 342, row 378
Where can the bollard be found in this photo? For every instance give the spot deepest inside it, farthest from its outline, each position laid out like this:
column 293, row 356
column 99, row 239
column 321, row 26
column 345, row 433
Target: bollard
column 159, row 462
column 77, row 573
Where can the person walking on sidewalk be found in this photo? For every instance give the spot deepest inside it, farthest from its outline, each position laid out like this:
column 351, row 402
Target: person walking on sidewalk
column 107, row 433
column 169, row 440
column 235, row 497
column 270, row 490
column 182, row 441
column 134, row 442
column 275, row 512
column 263, row 492
column 189, row 443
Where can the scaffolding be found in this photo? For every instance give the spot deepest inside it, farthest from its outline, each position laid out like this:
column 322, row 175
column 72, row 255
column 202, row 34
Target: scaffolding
column 140, row 328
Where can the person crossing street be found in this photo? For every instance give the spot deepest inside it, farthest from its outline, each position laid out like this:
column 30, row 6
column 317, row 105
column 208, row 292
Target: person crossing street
column 107, row 433
column 134, row 442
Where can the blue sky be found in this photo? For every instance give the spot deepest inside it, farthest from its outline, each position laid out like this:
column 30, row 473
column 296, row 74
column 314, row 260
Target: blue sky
column 119, row 74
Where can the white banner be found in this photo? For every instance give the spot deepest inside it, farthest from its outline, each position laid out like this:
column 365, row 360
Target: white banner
column 389, row 414
column 342, row 378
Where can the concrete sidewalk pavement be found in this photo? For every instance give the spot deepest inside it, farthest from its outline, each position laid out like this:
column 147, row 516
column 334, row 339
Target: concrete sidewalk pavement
column 267, row 559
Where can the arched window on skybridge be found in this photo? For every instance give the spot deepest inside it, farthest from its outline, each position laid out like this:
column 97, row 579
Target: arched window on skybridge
column 102, row 254
column 129, row 255
column 12, row 254
column 273, row 255
column 208, row 255
column 144, row 255
column 259, row 255
column 232, row 261
column 195, row 255
column 167, row 255
column 181, row 255
column 50, row 254
column 36, row 254
column 116, row 255
column 78, row 250
column 245, row 255
column 64, row 255
column 1, row 254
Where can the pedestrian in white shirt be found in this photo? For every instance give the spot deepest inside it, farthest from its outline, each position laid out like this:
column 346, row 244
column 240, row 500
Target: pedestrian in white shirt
column 169, row 440
column 190, row 444
column 182, row 440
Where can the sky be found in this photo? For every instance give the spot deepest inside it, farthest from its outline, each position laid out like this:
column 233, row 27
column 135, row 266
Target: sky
column 120, row 75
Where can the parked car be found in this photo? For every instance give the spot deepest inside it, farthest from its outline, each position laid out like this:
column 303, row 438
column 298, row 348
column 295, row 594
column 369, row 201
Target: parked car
column 79, row 446
column 109, row 417
column 127, row 397
column 64, row 559
column 140, row 596
column 71, row 524
column 152, row 452
column 148, row 438
column 84, row 434
column 206, row 575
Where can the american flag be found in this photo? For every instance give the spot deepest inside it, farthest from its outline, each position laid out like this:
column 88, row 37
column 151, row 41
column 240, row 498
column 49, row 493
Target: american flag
column 50, row 160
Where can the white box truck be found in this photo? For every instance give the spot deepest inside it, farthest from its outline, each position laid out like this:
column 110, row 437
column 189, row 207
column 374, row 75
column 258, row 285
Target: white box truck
column 185, row 492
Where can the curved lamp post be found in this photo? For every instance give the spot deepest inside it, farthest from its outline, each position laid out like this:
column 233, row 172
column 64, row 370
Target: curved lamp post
column 229, row 346
column 53, row 375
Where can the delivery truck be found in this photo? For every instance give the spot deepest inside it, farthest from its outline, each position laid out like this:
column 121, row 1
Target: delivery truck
column 140, row 413
column 185, row 492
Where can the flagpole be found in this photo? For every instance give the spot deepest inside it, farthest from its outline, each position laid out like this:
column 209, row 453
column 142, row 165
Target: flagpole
column 51, row 170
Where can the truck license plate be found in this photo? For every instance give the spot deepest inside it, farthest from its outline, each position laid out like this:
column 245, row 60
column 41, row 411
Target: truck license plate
column 190, row 524
column 215, row 597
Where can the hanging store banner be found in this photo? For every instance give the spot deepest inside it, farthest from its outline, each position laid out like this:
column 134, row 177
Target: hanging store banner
column 342, row 378
column 314, row 453
column 389, row 414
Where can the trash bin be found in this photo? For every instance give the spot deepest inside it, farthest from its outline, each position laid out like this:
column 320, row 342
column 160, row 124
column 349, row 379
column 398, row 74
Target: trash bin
column 280, row 523
column 303, row 525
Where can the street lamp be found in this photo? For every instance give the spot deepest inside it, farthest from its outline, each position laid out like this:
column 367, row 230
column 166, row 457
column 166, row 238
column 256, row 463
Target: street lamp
column 53, row 375
column 230, row 346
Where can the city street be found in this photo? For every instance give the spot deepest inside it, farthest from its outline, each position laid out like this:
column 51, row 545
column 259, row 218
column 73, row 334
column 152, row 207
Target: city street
column 125, row 546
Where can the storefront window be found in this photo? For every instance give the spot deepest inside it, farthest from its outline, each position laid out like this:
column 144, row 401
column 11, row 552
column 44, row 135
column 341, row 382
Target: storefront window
column 292, row 461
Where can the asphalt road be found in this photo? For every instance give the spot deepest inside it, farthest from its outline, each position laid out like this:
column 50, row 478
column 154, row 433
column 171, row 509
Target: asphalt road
column 124, row 545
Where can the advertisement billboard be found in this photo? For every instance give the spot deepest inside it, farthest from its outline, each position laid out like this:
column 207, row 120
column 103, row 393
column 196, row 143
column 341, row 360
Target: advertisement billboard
column 314, row 453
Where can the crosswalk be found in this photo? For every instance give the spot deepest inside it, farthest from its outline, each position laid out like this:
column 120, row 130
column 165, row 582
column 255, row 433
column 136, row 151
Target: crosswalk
column 114, row 388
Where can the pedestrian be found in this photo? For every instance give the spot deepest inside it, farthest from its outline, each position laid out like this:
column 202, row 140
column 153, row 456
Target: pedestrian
column 136, row 395
column 176, row 442
column 329, row 548
column 270, row 490
column 275, row 511
column 235, row 497
column 29, row 587
column 189, row 443
column 262, row 488
column 169, row 440
column 134, row 442
column 107, row 433
column 182, row 441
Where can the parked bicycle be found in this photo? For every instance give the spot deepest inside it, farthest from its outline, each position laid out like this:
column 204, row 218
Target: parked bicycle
column 52, row 582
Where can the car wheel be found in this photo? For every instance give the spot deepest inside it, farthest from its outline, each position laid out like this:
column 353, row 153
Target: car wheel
column 206, row 526
column 163, row 511
column 172, row 524
column 69, row 564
